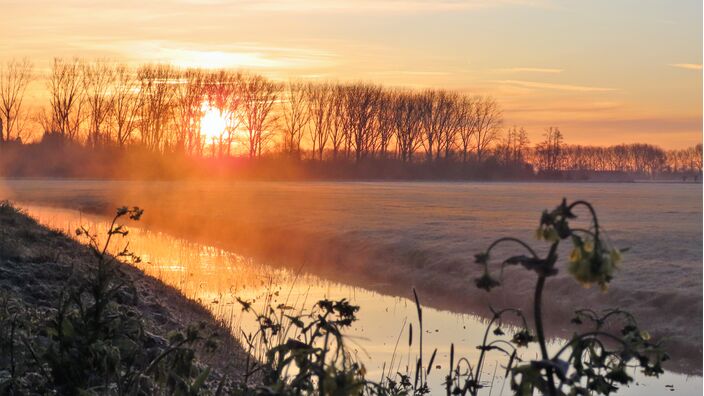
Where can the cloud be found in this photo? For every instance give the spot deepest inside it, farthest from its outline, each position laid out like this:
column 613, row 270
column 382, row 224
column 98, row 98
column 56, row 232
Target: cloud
column 382, row 5
column 553, row 86
column 244, row 55
column 411, row 73
column 688, row 66
column 547, row 70
column 569, row 109
column 644, row 124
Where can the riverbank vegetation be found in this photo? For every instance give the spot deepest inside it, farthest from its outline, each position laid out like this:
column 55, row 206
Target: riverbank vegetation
column 306, row 353
column 75, row 320
column 195, row 122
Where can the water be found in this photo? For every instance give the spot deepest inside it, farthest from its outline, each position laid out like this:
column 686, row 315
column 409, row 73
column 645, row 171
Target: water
column 391, row 237
column 216, row 276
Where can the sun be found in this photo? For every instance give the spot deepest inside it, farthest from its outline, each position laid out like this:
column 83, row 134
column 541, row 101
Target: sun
column 212, row 124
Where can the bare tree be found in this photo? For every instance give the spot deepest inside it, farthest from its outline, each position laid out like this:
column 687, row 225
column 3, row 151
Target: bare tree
column 550, row 150
column 385, row 123
column 14, row 77
column 338, row 119
column 438, row 115
column 66, row 97
column 224, row 94
column 157, row 88
column 189, row 100
column 362, row 103
column 466, row 124
column 318, row 97
column 512, row 149
column 426, row 106
column 295, row 115
column 407, row 124
column 447, row 123
column 125, row 105
column 696, row 157
column 520, row 146
column 487, row 120
column 98, row 82
column 258, row 97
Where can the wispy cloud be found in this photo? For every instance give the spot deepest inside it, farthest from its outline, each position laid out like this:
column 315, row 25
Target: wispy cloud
column 688, row 66
column 569, row 109
column 251, row 55
column 645, row 124
column 553, row 86
column 384, row 5
column 547, row 70
column 412, row 72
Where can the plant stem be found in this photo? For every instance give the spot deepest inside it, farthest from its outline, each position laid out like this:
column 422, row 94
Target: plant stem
column 537, row 312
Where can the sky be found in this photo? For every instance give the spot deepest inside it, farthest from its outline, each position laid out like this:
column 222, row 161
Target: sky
column 604, row 71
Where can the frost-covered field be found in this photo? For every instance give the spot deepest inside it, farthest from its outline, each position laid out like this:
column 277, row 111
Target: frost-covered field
column 392, row 236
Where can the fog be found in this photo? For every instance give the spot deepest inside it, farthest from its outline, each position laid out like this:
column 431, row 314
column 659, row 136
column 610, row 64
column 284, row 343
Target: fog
column 390, row 237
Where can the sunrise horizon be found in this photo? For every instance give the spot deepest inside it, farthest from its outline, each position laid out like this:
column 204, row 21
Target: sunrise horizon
column 351, row 197
column 604, row 78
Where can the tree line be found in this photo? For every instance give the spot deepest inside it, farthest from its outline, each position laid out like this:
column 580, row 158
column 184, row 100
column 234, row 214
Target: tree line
column 160, row 108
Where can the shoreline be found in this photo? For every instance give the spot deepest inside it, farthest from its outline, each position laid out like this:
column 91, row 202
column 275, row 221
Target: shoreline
column 700, row 181
column 437, row 294
column 39, row 264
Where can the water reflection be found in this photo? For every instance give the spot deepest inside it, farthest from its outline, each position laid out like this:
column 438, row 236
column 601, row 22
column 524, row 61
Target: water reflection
column 215, row 277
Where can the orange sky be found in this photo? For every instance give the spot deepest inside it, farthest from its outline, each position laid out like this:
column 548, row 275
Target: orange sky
column 604, row 71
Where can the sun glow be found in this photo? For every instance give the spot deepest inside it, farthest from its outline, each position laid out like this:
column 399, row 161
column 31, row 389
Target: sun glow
column 213, row 124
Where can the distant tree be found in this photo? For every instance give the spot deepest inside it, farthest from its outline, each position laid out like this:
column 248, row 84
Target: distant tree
column 124, row 112
column 648, row 159
column 385, row 123
column 550, row 150
column 362, row 102
column 685, row 160
column 696, row 155
column 157, row 89
column 619, row 158
column 407, row 124
column 520, row 146
column 223, row 90
column 339, row 128
column 98, row 82
column 449, row 121
column 439, row 122
column 426, row 106
column 511, row 151
column 295, row 117
column 318, row 97
column 466, row 124
column 188, row 109
column 486, row 119
column 14, row 77
column 66, row 98
column 258, row 97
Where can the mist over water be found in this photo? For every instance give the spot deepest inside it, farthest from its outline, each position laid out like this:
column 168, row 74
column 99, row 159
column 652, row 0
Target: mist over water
column 216, row 277
column 390, row 237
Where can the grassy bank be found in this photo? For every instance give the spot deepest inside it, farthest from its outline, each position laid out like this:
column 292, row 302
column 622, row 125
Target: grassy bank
column 57, row 336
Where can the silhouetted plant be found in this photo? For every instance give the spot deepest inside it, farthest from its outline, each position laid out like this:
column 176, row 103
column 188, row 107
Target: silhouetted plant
column 593, row 361
column 303, row 352
column 94, row 342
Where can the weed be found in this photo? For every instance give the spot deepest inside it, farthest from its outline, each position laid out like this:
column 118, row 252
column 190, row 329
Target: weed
column 93, row 341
